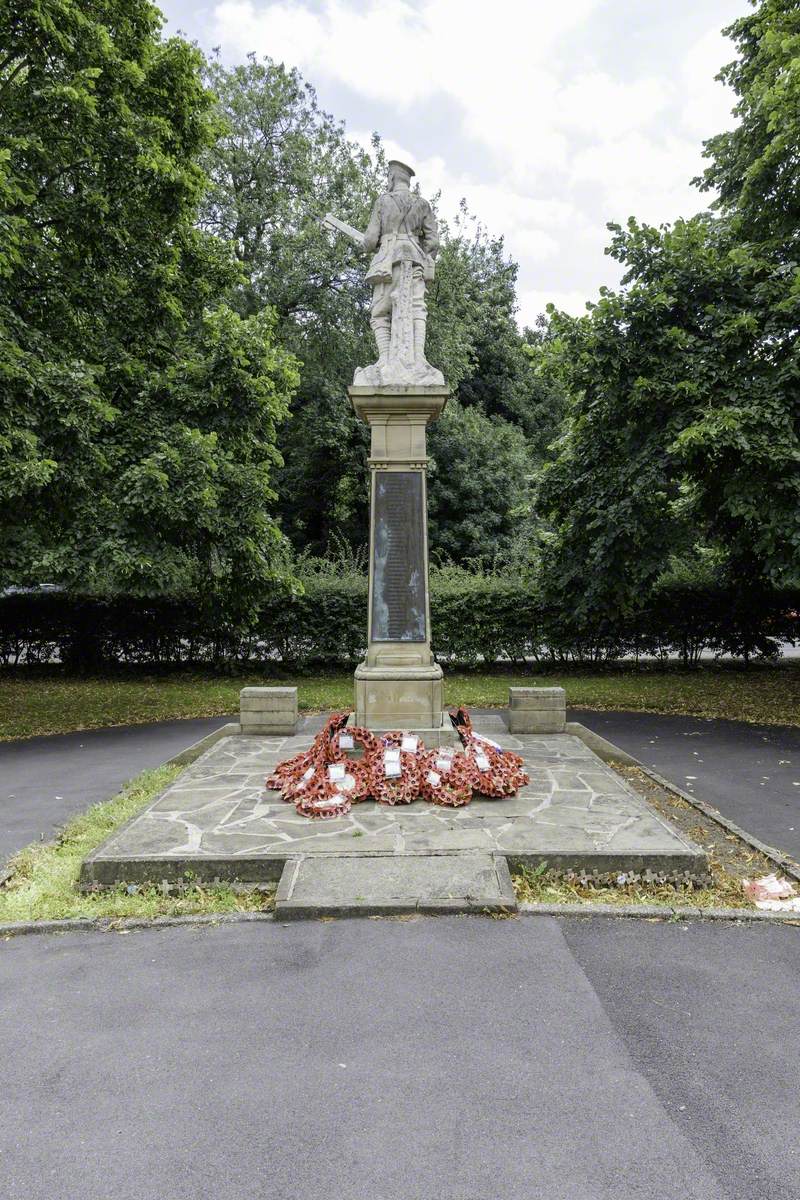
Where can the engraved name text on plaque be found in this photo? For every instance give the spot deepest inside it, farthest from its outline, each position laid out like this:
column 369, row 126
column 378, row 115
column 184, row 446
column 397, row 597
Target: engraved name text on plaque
column 398, row 586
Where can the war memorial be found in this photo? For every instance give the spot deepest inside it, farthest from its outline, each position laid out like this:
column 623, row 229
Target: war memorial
column 381, row 844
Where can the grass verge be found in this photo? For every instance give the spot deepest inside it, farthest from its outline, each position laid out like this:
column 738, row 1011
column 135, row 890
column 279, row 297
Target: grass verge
column 730, row 862
column 45, row 701
column 44, row 882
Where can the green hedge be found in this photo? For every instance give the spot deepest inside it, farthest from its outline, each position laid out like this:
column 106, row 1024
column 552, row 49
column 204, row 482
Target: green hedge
column 475, row 619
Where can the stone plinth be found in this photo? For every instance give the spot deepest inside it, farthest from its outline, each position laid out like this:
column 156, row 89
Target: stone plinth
column 215, row 821
column 398, row 684
column 268, row 710
column 537, row 710
column 399, row 697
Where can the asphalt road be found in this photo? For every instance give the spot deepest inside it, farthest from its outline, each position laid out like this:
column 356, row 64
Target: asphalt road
column 46, row 780
column 450, row 1058
column 751, row 773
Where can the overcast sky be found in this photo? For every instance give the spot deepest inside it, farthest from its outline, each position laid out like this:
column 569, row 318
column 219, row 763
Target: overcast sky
column 551, row 117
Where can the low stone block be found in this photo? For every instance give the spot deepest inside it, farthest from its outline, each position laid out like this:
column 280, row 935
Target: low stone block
column 265, row 706
column 537, row 697
column 527, row 721
column 268, row 710
column 537, row 710
column 267, row 699
column 284, row 728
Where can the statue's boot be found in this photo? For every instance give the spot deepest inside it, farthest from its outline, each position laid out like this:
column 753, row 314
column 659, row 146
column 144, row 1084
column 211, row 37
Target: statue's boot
column 375, row 374
column 381, row 327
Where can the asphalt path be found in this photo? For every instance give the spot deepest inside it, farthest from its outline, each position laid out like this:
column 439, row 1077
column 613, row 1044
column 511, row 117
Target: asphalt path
column 455, row 1058
column 46, row 780
column 751, row 773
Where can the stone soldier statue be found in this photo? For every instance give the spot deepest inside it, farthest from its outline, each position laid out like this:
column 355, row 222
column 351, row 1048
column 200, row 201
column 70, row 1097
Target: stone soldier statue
column 403, row 240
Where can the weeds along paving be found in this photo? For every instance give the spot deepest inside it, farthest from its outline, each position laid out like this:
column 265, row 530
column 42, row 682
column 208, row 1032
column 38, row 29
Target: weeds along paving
column 730, row 860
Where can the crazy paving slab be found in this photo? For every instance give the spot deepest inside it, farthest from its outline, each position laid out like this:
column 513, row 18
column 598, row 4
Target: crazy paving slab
column 217, row 821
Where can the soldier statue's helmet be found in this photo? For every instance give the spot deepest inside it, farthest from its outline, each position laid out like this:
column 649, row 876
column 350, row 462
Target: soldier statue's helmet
column 394, row 164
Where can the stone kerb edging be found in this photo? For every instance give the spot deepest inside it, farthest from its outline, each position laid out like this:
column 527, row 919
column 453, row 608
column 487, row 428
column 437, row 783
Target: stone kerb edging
column 666, row 913
column 183, row 759
column 124, row 924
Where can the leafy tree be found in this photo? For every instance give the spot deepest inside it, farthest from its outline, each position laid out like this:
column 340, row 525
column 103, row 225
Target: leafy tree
column 138, row 425
column 683, row 423
column 279, row 165
column 478, row 491
column 754, row 166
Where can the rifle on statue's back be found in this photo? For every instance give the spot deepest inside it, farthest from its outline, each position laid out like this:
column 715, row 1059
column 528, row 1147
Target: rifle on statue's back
column 332, row 222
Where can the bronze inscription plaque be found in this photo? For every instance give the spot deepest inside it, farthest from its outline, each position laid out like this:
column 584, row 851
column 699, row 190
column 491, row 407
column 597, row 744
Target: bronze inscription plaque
column 398, row 581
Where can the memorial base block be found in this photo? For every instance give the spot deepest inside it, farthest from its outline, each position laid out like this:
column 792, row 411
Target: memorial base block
column 398, row 686
column 399, row 697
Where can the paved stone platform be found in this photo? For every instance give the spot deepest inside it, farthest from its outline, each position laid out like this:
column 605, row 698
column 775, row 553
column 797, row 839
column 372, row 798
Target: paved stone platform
column 218, row 822
column 376, row 885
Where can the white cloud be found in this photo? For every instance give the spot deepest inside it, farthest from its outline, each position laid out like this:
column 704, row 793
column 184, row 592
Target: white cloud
column 534, row 245
column 642, row 176
column 532, row 303
column 499, row 70
column 562, row 142
column 707, row 102
column 595, row 103
column 370, row 47
column 402, row 53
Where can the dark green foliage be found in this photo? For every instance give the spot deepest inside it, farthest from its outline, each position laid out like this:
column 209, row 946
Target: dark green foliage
column 684, row 423
column 138, row 420
column 483, row 618
column 545, row 393
column 478, row 619
column 478, row 486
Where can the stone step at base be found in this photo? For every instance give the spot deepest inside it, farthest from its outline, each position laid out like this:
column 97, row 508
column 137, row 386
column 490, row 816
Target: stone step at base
column 443, row 734
column 383, row 885
column 440, row 734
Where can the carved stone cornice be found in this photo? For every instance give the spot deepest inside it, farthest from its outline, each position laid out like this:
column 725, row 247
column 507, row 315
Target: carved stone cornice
column 403, row 464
